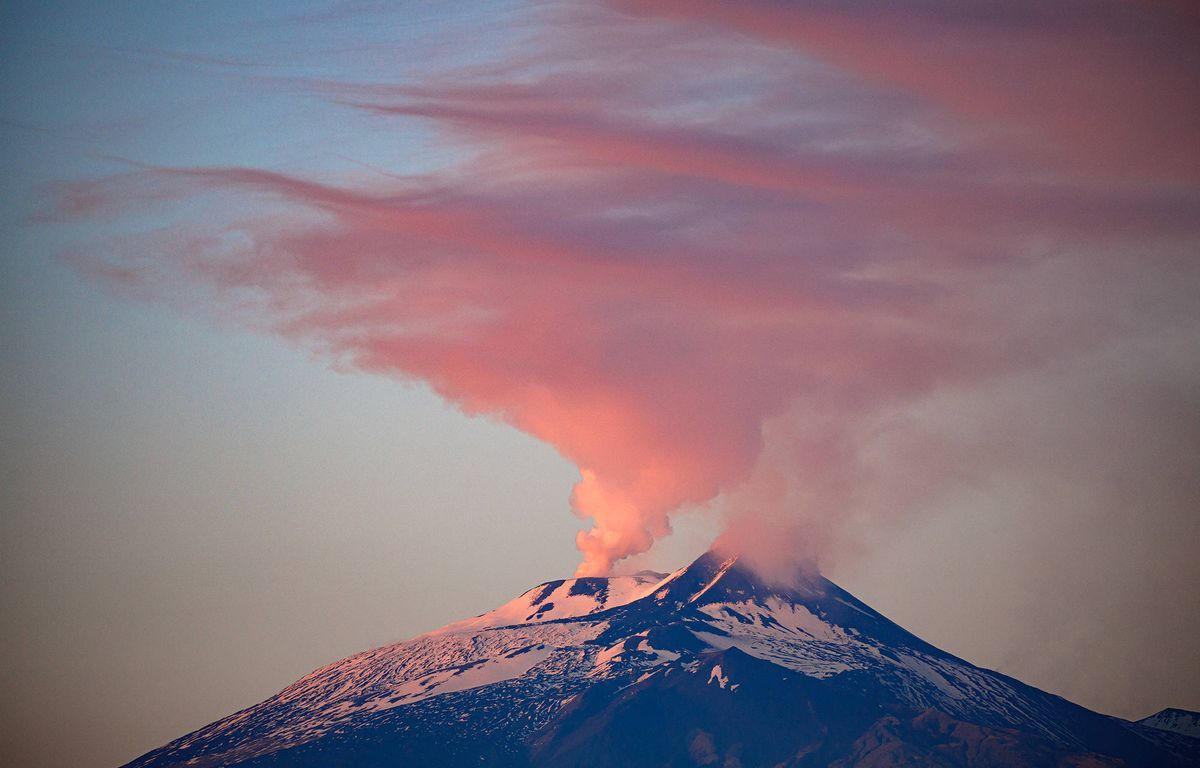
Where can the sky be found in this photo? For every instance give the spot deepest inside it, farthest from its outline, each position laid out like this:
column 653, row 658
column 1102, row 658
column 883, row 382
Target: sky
column 326, row 324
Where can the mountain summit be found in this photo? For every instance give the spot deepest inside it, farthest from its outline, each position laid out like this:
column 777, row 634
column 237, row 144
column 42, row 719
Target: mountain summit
column 707, row 666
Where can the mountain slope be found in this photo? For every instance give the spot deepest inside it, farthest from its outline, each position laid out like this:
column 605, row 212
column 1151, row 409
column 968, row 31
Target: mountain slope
column 1175, row 720
column 707, row 666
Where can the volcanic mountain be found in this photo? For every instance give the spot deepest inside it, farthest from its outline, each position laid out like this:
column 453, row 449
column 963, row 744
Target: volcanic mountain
column 707, row 666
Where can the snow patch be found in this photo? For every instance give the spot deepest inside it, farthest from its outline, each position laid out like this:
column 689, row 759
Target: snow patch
column 717, row 675
column 927, row 672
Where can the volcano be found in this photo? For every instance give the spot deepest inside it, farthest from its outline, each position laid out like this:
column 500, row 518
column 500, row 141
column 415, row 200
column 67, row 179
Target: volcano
column 707, row 666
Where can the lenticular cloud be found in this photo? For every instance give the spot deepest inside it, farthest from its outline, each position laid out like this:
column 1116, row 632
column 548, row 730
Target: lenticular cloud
column 714, row 251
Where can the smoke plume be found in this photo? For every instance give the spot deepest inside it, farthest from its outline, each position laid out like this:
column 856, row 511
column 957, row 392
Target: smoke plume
column 791, row 257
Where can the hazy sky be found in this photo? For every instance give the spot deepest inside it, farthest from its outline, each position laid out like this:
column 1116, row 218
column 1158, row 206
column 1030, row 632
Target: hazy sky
column 914, row 293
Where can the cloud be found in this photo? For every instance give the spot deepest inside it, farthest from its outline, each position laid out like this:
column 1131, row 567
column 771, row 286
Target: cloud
column 1106, row 87
column 710, row 251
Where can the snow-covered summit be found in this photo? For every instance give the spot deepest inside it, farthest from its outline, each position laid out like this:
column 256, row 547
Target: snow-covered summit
column 563, row 599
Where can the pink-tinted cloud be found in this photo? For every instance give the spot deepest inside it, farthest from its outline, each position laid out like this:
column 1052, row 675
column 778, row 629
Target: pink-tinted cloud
column 1110, row 86
column 698, row 261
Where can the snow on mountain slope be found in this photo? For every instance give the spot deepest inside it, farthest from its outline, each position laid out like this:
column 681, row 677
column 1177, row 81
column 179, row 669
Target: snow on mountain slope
column 548, row 667
column 1175, row 720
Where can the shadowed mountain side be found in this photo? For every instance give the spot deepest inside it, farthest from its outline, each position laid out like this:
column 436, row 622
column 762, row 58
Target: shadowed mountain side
column 778, row 720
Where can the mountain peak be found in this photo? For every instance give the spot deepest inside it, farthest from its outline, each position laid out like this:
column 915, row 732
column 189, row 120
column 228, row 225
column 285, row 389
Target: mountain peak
column 717, row 577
